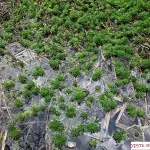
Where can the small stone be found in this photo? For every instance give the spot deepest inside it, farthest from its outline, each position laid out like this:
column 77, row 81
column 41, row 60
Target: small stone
column 71, row 144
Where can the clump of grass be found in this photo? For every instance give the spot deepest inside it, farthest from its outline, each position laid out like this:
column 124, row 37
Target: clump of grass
column 14, row 132
column 97, row 75
column 78, row 95
column 59, row 140
column 92, row 127
column 78, row 130
column 56, row 125
column 9, row 84
column 84, row 115
column 119, row 136
column 75, row 71
column 54, row 63
column 39, row 71
column 71, row 112
column 20, row 117
column 93, row 143
column 22, row 79
column 18, row 103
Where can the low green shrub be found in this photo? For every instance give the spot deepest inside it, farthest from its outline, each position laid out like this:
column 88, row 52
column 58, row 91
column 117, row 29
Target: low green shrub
column 71, row 112
column 22, row 79
column 39, row 71
column 56, row 125
column 59, row 140
column 9, row 84
column 97, row 75
column 119, row 136
column 18, row 103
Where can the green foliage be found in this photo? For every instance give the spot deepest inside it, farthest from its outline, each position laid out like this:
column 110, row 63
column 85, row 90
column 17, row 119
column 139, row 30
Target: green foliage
column 84, row 115
column 22, row 79
column 68, row 91
column 35, row 109
column 47, row 99
column 71, row 112
column 78, row 130
column 35, row 90
column 56, row 125
column 39, row 71
column 57, row 84
column 54, row 63
column 61, row 99
column 93, row 143
column 119, row 136
column 81, row 54
column 55, row 111
column 18, row 103
column 45, row 92
column 42, row 107
column 30, row 85
column 60, row 78
column 14, row 132
column 122, row 73
column 9, row 84
column 145, row 64
column 96, row 75
column 27, row 93
column 62, row 106
column 59, row 140
column 141, row 113
column 78, row 95
column 131, row 110
column 113, row 88
column 107, row 101
column 20, row 117
column 75, row 71
column 2, row 44
column 6, row 36
column 90, row 101
column 92, row 127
